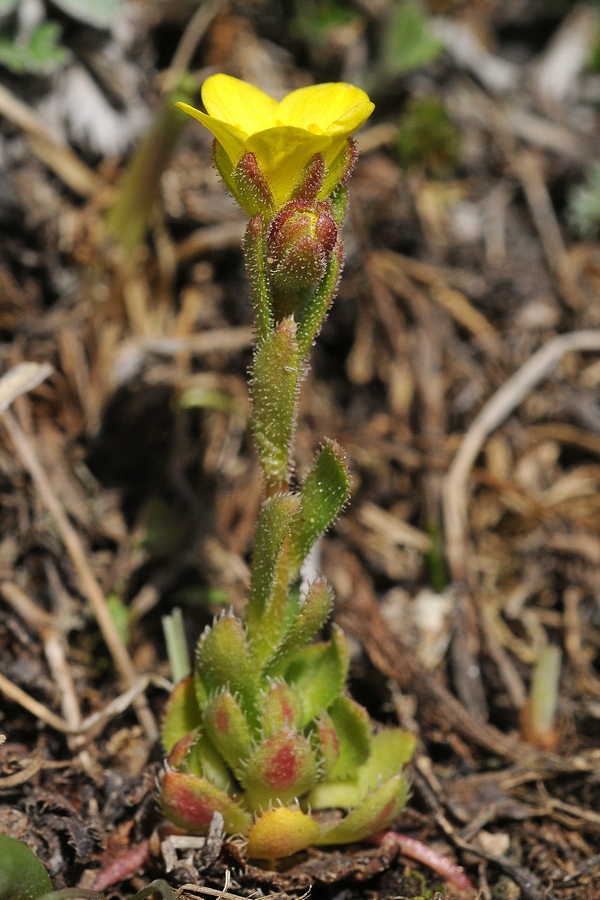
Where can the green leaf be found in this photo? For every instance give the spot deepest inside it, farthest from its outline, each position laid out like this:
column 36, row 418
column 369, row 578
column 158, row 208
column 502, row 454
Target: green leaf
column 195, row 754
column 281, row 707
column 353, row 728
column 129, row 217
column 99, row 13
column 377, row 811
column 274, row 394
column 40, row 55
column 325, row 491
column 182, row 714
column 22, row 875
column 272, row 529
column 206, row 761
column 223, row 661
column 228, row 728
column 309, row 619
column 390, row 751
column 407, row 41
column 319, row 673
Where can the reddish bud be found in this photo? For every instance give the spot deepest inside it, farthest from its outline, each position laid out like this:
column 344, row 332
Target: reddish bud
column 300, row 240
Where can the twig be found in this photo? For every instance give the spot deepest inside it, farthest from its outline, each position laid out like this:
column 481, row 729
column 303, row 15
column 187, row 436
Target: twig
column 88, row 581
column 193, row 34
column 58, row 156
column 496, row 410
column 116, row 706
column 55, row 650
column 528, row 168
column 33, row 706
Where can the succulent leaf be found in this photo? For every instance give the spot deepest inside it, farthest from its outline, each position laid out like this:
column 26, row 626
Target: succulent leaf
column 376, row 812
column 272, row 529
column 325, row 490
column 280, row 768
column 190, row 802
column 268, row 635
column 328, row 744
column 319, row 673
column 390, row 751
column 281, row 832
column 228, row 728
column 282, row 707
column 223, row 660
column 309, row 619
column 182, row 713
column 353, row 728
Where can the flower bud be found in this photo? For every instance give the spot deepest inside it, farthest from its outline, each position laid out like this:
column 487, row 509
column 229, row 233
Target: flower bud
column 300, row 240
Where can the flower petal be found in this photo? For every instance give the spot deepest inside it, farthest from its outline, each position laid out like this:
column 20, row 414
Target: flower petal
column 240, row 104
column 231, row 138
column 282, row 154
column 324, row 106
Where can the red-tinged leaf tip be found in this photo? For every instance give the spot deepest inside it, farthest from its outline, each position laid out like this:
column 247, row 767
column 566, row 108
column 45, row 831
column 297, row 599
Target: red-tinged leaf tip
column 180, row 751
column 281, row 832
column 190, row 803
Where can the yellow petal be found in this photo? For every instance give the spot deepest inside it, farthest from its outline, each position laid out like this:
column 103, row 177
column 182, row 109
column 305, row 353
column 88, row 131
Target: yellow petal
column 240, row 104
column 282, row 154
column 326, row 105
column 231, row 138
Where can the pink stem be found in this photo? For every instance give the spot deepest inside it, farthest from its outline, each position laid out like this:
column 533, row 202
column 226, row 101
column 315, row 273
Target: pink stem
column 124, row 866
column 420, row 852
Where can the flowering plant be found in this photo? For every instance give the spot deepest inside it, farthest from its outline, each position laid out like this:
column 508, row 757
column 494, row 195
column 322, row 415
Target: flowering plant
column 264, row 731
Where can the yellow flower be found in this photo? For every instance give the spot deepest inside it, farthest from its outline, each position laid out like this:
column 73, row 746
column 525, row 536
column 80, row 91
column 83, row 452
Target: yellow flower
column 283, row 136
